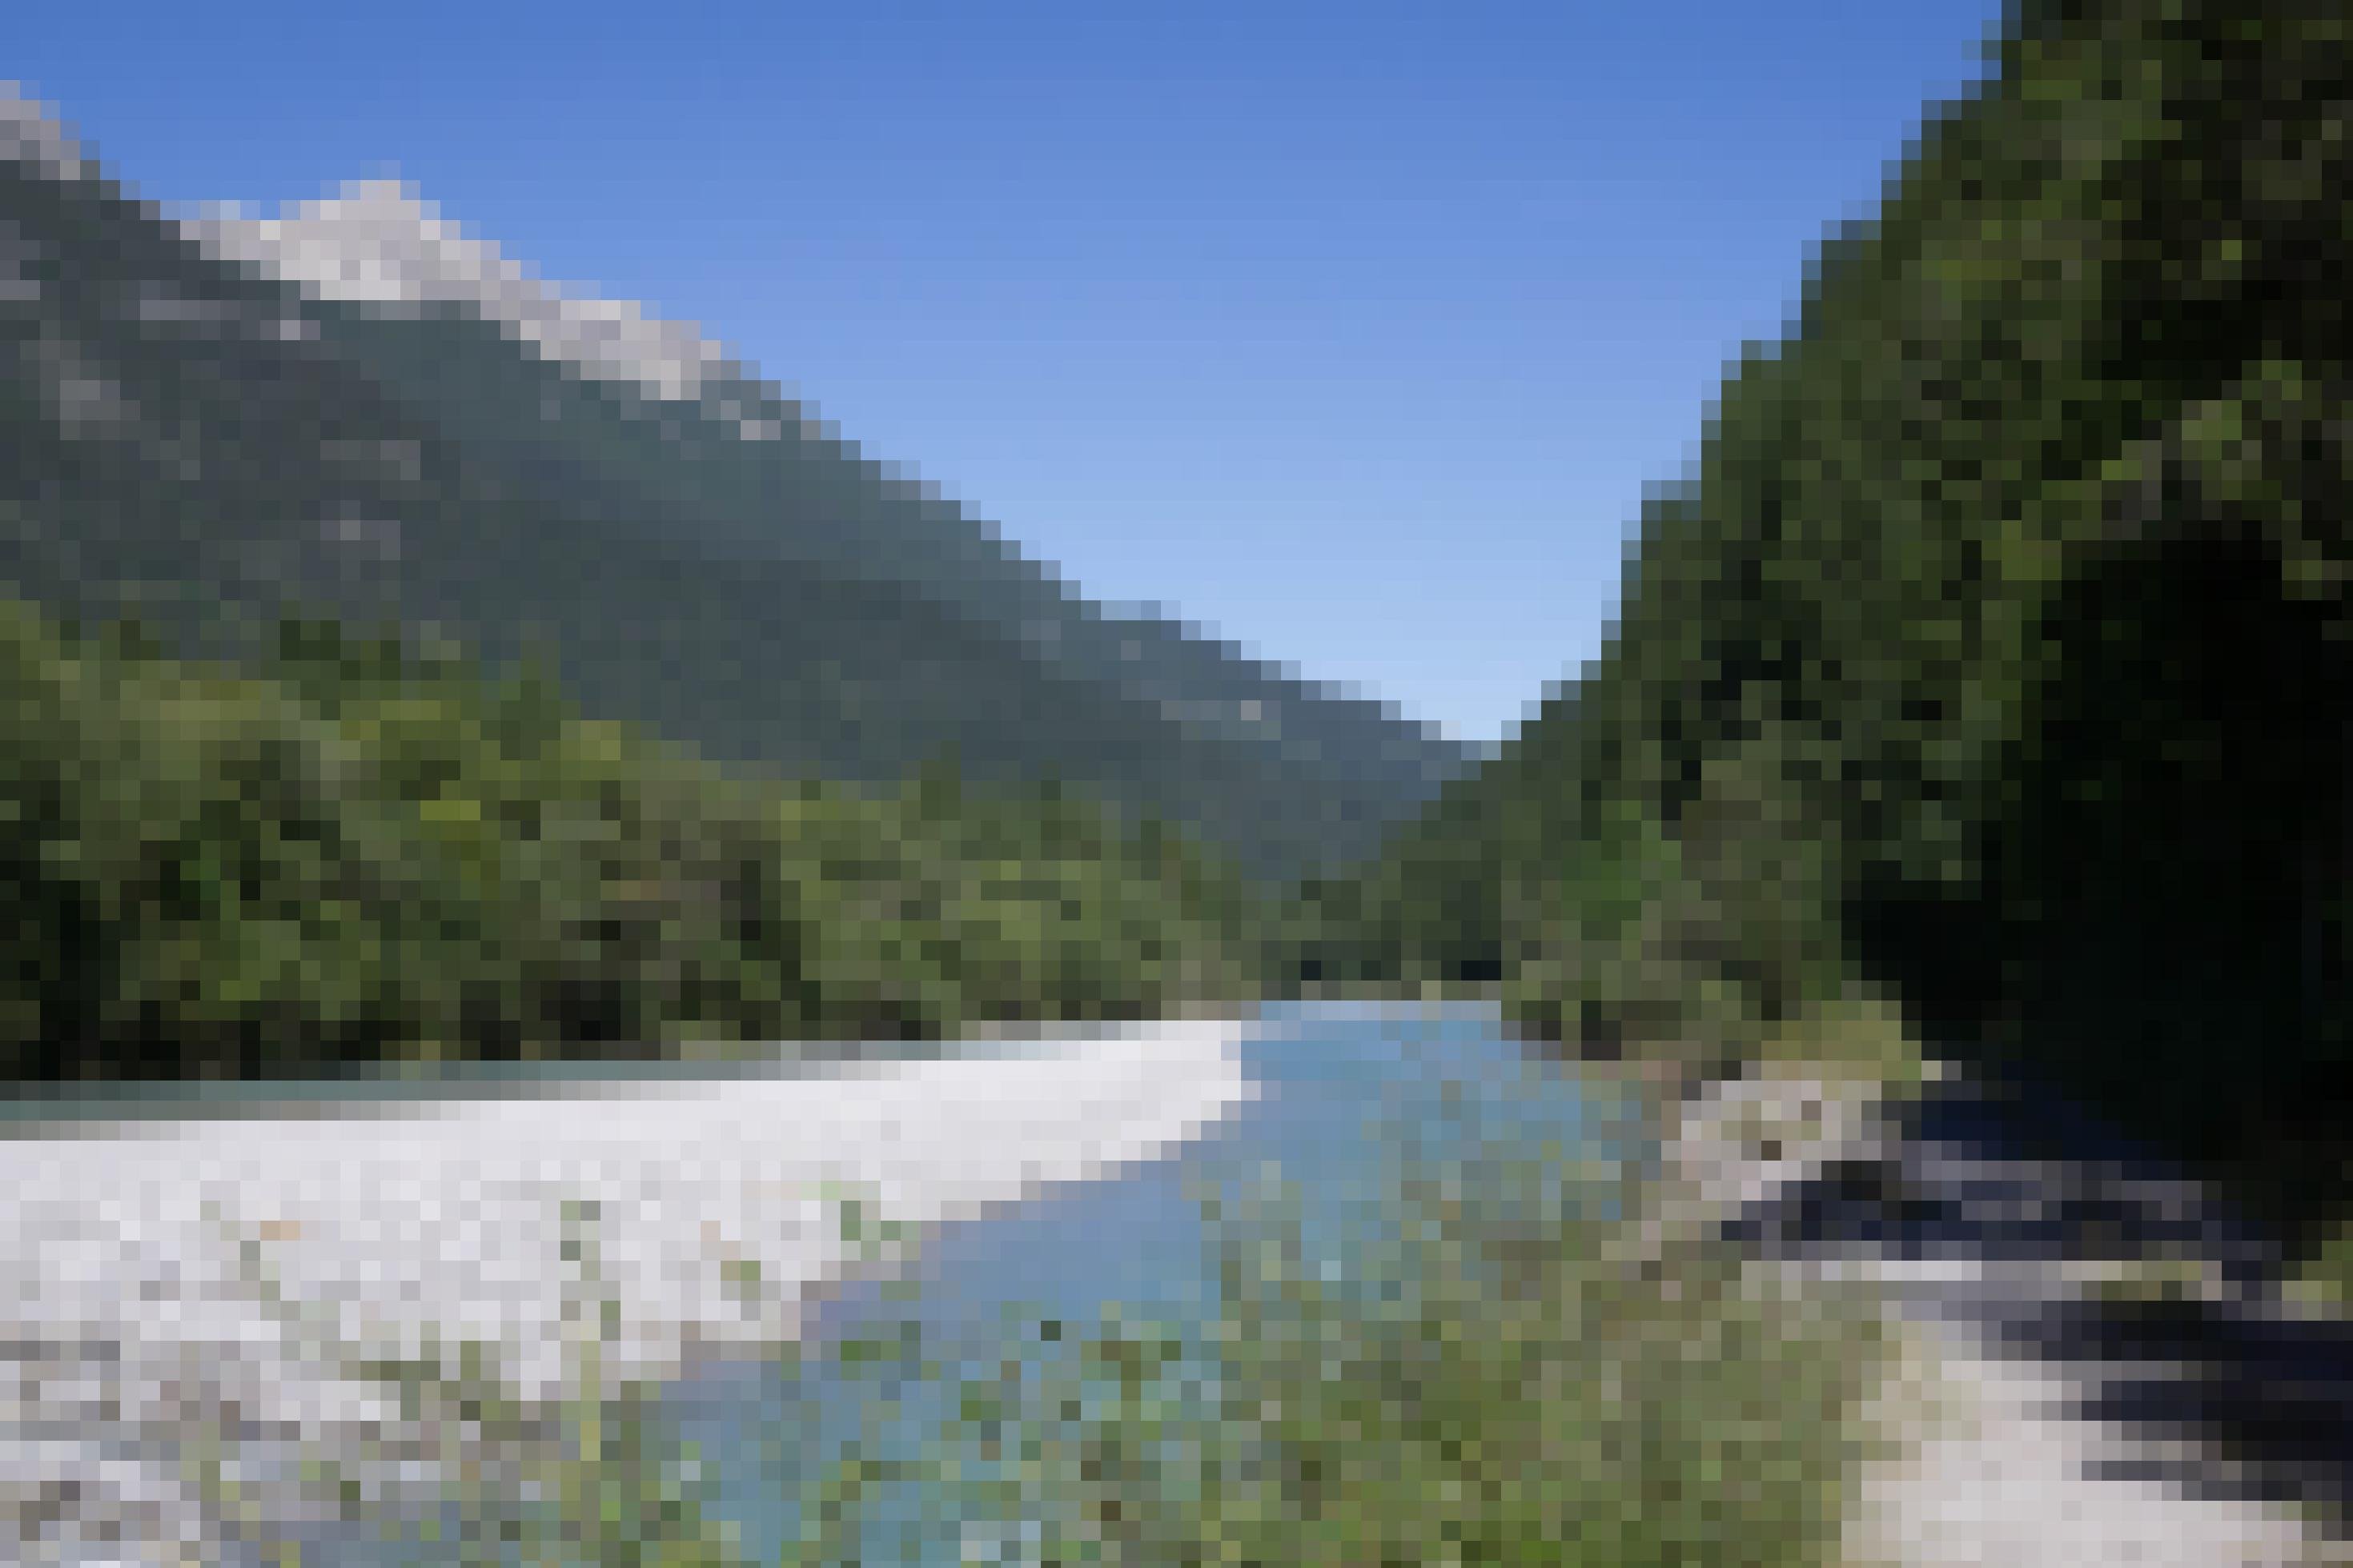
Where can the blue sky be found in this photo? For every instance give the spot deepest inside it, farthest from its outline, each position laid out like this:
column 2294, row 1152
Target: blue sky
column 1351, row 333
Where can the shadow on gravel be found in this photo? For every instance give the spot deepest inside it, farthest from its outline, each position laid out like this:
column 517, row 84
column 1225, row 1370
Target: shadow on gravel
column 1980, row 1202
column 2264, row 1399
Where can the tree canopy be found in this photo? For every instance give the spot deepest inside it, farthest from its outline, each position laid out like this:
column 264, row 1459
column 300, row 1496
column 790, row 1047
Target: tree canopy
column 1993, row 655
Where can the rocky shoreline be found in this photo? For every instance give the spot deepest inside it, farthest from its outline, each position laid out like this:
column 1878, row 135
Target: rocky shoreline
column 176, row 1283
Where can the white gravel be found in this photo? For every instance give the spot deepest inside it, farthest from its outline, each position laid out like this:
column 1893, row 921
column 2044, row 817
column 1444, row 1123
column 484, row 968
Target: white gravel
column 141, row 1261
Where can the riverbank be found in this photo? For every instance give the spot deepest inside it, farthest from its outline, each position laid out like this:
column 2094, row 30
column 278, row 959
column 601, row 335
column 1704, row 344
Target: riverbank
column 236, row 1289
column 229, row 1280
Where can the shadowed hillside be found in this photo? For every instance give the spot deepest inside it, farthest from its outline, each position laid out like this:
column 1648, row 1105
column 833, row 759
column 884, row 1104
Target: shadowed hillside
column 367, row 413
column 1993, row 652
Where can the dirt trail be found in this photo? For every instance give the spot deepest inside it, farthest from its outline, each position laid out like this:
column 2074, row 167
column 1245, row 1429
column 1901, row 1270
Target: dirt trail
column 2034, row 1414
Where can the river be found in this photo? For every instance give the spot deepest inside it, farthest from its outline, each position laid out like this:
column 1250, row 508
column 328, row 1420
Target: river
column 1043, row 1179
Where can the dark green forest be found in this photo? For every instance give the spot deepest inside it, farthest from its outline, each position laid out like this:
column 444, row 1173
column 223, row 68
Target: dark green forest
column 1991, row 661
column 358, row 848
column 1992, row 657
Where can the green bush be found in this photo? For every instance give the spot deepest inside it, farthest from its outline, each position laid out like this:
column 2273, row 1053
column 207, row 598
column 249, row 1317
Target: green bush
column 368, row 851
column 1494, row 1377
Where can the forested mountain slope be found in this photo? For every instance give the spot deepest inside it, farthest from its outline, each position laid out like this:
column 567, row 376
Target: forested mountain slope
column 1995, row 653
column 359, row 409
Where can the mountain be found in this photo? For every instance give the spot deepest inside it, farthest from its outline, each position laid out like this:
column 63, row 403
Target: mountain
column 357, row 406
column 1997, row 655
